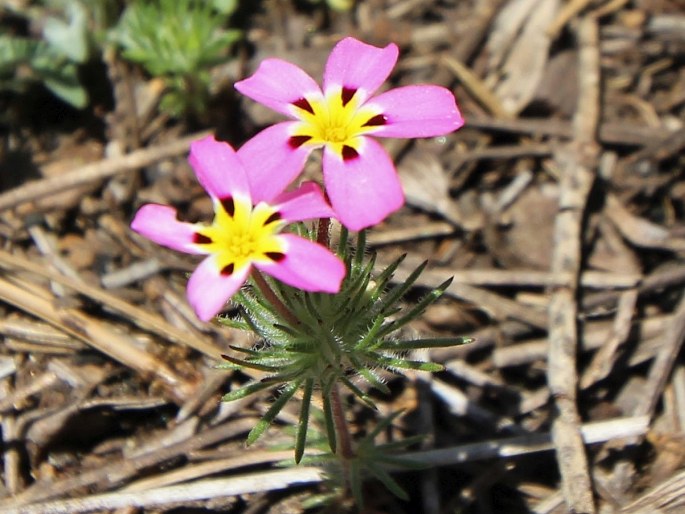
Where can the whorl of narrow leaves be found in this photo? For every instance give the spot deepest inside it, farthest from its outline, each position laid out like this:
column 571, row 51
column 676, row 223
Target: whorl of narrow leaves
column 339, row 339
column 371, row 459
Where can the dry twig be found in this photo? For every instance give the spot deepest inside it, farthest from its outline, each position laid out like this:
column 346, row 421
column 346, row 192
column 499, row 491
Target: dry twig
column 94, row 172
column 116, row 345
column 576, row 181
column 144, row 319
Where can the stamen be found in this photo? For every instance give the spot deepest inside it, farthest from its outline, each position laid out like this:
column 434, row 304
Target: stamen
column 275, row 256
column 303, row 104
column 297, row 141
column 274, row 217
column 201, row 239
column 228, row 205
column 347, row 94
column 228, row 270
column 378, row 119
column 349, row 153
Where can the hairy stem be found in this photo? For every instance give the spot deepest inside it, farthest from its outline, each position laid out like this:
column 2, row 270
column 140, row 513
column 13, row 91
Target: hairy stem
column 273, row 299
column 341, row 429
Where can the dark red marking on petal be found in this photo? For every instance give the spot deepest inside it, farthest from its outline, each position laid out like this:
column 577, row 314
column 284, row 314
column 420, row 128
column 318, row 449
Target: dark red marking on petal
column 303, row 104
column 227, row 270
column 274, row 217
column 378, row 119
column 275, row 256
column 201, row 239
column 347, row 94
column 349, row 153
column 298, row 141
column 228, row 205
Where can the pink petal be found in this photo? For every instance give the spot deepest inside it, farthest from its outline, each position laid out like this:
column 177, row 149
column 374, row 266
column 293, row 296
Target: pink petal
column 305, row 203
column 417, row 111
column 307, row 265
column 356, row 65
column 159, row 224
column 364, row 189
column 277, row 84
column 272, row 163
column 217, row 168
column 209, row 290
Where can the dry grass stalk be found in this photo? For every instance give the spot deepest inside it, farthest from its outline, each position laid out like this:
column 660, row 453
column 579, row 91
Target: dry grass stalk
column 576, row 181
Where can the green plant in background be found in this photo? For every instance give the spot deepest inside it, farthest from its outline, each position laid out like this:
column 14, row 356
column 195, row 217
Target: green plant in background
column 178, row 41
column 53, row 60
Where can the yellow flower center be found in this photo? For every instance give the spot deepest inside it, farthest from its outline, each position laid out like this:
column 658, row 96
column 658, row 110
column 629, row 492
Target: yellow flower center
column 241, row 234
column 334, row 133
column 336, row 120
column 241, row 246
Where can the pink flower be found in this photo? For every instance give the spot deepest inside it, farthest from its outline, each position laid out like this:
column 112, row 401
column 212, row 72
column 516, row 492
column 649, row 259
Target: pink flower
column 359, row 175
column 249, row 216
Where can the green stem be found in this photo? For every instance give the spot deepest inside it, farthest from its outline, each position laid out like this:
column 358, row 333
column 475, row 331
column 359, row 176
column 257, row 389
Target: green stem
column 273, row 299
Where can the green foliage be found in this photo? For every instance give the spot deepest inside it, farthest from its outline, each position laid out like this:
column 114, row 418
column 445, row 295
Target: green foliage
column 24, row 61
column 314, row 343
column 375, row 460
column 178, row 40
column 371, row 460
column 53, row 60
column 69, row 37
column 339, row 339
